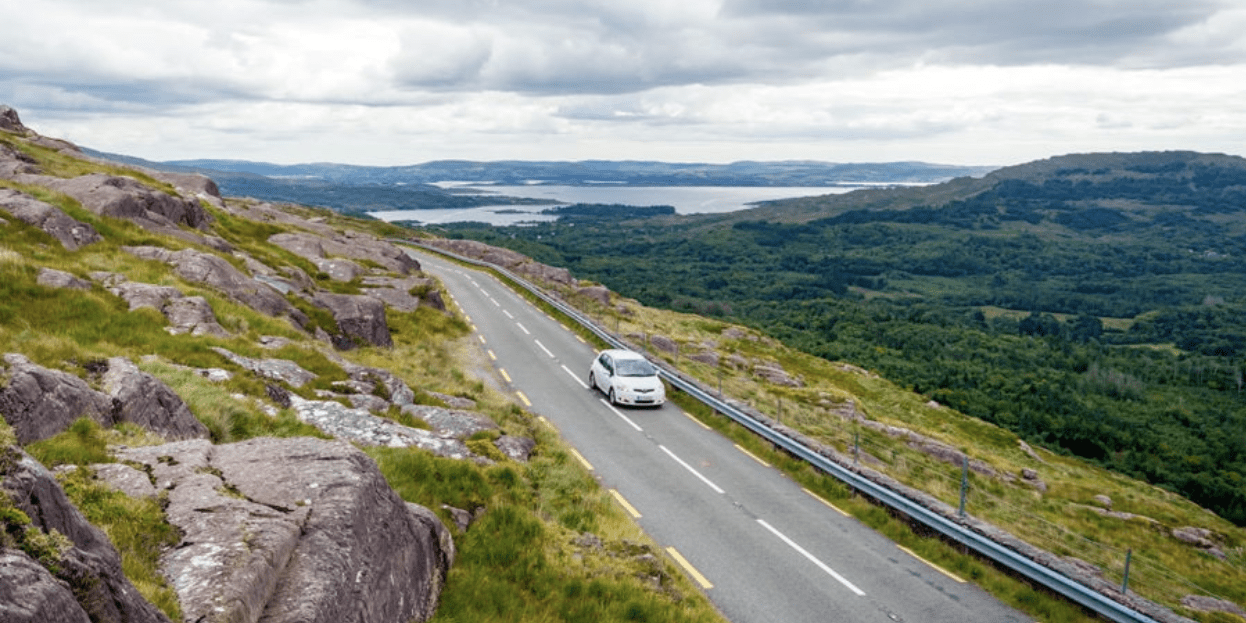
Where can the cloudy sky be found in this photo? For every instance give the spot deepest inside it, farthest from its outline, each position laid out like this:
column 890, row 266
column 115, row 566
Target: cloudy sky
column 405, row 81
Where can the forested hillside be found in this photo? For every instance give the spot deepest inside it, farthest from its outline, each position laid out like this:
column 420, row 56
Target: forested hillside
column 1091, row 303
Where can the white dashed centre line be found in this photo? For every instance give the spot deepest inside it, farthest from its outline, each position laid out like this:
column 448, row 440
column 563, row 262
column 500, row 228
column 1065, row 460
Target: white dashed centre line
column 620, row 414
column 538, row 343
column 806, row 554
column 688, row 467
column 575, row 376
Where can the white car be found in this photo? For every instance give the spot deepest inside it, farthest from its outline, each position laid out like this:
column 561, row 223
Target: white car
column 627, row 378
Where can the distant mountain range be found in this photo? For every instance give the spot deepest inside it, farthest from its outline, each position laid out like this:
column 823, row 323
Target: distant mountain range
column 355, row 188
column 784, row 173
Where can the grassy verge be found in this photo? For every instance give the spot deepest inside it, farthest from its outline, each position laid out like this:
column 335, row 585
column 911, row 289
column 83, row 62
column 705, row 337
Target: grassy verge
column 526, row 556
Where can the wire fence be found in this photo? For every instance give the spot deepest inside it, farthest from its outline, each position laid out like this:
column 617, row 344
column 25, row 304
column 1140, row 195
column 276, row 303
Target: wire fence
column 979, row 495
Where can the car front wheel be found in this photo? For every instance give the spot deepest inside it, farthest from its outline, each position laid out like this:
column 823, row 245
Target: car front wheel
column 592, row 382
column 611, row 397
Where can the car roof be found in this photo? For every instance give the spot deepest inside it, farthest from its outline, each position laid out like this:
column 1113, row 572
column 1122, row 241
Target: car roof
column 618, row 353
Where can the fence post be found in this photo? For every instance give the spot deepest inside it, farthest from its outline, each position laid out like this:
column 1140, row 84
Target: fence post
column 1129, row 554
column 856, row 447
column 964, row 485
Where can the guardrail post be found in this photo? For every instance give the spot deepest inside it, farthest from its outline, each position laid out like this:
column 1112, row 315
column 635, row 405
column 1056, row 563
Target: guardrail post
column 856, row 447
column 964, row 484
column 1129, row 554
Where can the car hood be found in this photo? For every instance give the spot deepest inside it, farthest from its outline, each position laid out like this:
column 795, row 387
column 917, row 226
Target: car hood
column 639, row 382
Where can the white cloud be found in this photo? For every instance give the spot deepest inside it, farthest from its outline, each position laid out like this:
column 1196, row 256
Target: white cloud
column 395, row 81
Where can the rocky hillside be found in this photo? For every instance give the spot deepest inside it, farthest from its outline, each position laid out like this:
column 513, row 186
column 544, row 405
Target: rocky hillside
column 206, row 347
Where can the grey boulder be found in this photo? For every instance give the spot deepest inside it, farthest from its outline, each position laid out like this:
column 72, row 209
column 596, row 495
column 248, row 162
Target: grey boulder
column 214, row 271
column 282, row 370
column 91, row 568
column 352, row 245
column 128, row 198
column 358, row 318
column 286, row 530
column 40, row 403
column 146, row 401
column 52, row 278
column 70, row 232
column 30, row 593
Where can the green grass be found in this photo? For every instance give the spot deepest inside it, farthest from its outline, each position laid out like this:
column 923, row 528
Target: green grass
column 519, row 562
column 138, row 529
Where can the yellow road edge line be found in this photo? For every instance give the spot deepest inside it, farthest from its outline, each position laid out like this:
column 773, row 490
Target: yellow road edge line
column 955, row 578
column 820, row 499
column 526, row 402
column 482, row 338
column 751, row 455
column 505, row 375
column 579, row 457
column 692, row 571
column 491, row 355
column 699, row 422
column 547, row 422
column 622, row 502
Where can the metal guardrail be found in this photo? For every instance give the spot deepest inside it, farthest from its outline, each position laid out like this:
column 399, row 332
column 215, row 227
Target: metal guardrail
column 1071, row 589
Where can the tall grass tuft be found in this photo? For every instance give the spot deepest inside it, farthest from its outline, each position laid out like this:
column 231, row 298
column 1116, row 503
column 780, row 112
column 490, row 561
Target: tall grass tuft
column 138, row 529
column 83, row 443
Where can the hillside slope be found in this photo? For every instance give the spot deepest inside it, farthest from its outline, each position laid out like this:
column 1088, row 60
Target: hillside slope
column 217, row 409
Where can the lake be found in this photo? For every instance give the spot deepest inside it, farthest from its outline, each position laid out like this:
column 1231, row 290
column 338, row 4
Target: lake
column 685, row 200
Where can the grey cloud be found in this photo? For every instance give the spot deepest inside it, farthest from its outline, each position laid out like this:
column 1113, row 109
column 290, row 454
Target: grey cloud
column 992, row 31
column 564, row 47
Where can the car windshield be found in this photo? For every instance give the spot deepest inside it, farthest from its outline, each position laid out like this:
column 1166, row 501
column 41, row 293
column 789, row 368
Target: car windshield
column 634, row 367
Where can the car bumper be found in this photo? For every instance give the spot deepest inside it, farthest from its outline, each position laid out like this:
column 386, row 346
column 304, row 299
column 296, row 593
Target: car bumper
column 640, row 400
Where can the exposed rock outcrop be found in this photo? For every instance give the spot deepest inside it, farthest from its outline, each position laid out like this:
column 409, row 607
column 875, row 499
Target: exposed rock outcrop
column 40, row 403
column 282, row 370
column 198, row 267
column 89, row 570
column 29, row 593
column 352, row 245
column 52, row 278
column 10, row 122
column 517, row 449
column 360, row 426
column 70, row 232
column 1203, row 603
column 597, row 293
column 128, row 198
column 14, row 163
column 294, row 530
column 193, row 315
column 775, row 374
column 452, row 422
column 144, row 400
column 186, row 314
column 358, row 318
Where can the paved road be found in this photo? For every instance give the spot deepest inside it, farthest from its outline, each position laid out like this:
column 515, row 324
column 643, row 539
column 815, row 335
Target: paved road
column 764, row 550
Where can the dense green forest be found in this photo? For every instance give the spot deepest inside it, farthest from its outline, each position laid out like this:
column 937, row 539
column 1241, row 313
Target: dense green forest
column 1093, row 304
